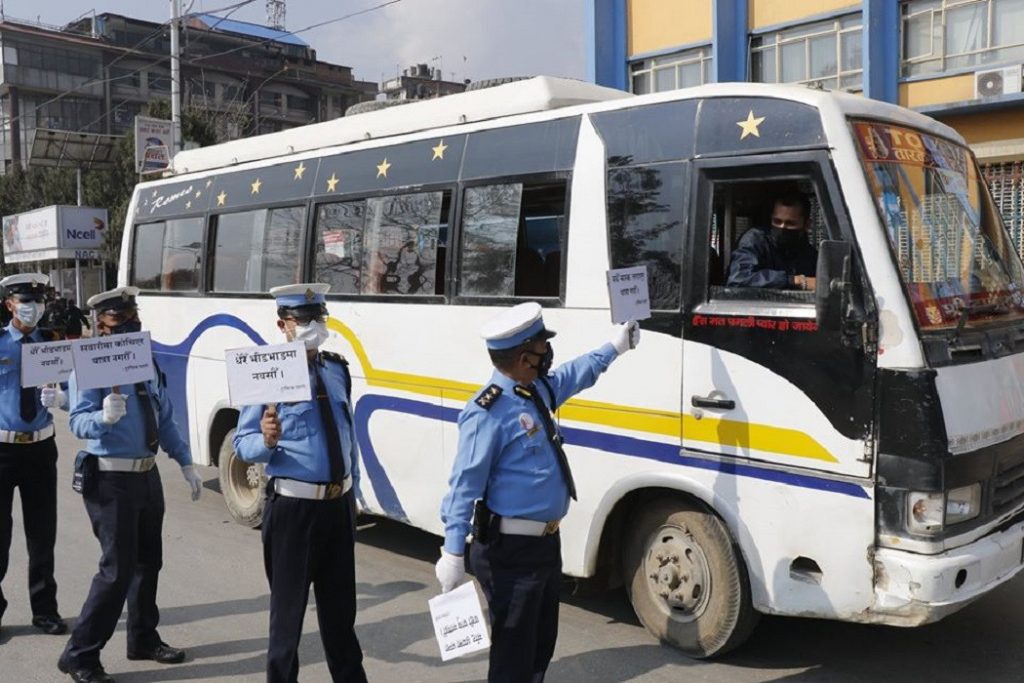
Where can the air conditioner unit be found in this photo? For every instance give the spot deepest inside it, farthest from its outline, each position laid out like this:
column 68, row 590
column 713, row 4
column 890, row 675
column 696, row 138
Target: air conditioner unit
column 997, row 82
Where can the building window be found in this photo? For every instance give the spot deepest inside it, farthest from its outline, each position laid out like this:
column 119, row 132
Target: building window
column 946, row 35
column 825, row 54
column 678, row 70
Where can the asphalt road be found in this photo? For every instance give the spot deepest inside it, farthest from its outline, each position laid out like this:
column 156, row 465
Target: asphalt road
column 213, row 596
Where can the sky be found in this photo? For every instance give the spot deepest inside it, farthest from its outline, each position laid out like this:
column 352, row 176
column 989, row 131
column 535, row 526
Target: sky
column 473, row 39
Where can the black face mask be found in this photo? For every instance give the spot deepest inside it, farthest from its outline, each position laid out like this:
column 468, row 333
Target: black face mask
column 787, row 239
column 546, row 359
column 127, row 327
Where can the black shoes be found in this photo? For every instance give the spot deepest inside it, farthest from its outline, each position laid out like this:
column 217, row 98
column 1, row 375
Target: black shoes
column 50, row 624
column 93, row 675
column 162, row 654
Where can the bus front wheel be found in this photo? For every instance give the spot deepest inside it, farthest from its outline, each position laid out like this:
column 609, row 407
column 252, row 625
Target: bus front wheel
column 242, row 484
column 686, row 579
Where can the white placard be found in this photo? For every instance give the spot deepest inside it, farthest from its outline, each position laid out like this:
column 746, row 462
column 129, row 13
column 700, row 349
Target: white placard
column 459, row 622
column 117, row 360
column 627, row 293
column 277, row 373
column 46, row 363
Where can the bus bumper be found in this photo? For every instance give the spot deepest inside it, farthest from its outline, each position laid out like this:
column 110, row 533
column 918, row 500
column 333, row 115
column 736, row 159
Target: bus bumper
column 913, row 589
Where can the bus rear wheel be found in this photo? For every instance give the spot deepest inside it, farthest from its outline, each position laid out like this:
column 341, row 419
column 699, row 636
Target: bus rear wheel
column 242, row 484
column 686, row 579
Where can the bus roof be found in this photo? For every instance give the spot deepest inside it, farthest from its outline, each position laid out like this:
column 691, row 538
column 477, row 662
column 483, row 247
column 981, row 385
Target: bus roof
column 532, row 96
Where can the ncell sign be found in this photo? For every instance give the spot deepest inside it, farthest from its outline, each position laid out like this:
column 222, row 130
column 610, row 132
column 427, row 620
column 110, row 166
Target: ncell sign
column 54, row 232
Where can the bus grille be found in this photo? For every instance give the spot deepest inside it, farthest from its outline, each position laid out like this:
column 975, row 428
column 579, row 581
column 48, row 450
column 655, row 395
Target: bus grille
column 1008, row 491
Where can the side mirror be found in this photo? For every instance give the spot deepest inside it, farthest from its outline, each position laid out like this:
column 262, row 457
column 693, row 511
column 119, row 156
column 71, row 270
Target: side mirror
column 834, row 283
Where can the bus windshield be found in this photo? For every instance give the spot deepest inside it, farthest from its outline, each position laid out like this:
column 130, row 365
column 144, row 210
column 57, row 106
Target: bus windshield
column 956, row 258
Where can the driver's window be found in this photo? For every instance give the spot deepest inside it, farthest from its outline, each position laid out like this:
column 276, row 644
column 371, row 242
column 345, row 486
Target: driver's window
column 764, row 237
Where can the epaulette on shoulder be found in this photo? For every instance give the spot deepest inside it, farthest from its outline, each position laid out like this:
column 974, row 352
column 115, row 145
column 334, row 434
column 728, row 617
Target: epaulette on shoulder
column 333, row 357
column 488, row 396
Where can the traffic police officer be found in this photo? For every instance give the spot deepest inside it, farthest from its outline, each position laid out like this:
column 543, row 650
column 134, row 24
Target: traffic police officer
column 510, row 466
column 310, row 451
column 125, row 503
column 28, row 452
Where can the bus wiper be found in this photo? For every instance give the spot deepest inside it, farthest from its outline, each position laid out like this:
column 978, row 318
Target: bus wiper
column 967, row 310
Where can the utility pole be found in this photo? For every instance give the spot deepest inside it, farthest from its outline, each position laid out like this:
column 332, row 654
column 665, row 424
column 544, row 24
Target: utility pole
column 175, row 77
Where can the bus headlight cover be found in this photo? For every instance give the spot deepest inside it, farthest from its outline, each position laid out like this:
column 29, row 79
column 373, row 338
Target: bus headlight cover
column 963, row 503
column 928, row 512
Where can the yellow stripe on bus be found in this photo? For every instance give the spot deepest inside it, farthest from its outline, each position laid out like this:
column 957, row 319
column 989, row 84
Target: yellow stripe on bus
column 729, row 433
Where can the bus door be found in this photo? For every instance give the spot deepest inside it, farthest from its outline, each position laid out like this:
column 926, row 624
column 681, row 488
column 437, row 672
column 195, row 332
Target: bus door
column 772, row 376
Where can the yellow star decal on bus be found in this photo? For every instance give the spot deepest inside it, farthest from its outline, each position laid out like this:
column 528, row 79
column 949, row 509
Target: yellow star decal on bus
column 439, row 150
column 299, row 170
column 188, row 204
column 750, row 125
column 199, row 193
column 382, row 168
column 221, row 197
column 332, row 182
column 209, row 182
column 256, row 186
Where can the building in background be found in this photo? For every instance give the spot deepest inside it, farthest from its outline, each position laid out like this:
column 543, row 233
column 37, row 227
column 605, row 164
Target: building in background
column 420, row 82
column 106, row 67
column 958, row 61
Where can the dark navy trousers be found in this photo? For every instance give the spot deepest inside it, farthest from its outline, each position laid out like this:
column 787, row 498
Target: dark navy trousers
column 127, row 514
column 311, row 542
column 32, row 469
column 521, row 577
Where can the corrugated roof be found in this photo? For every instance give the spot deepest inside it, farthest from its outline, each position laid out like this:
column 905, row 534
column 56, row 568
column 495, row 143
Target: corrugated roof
column 245, row 28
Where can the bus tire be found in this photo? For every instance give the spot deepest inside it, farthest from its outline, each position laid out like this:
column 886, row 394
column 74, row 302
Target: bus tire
column 686, row 579
column 242, row 484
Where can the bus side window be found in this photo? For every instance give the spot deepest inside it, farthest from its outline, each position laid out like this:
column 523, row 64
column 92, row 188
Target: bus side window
column 401, row 243
column 339, row 246
column 645, row 226
column 167, row 256
column 740, row 207
column 512, row 240
column 256, row 250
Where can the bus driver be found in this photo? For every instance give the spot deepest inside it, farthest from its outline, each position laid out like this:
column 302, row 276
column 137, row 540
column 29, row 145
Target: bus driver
column 780, row 257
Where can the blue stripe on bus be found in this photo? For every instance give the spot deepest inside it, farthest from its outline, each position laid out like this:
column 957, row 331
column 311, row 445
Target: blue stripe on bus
column 611, row 443
column 173, row 360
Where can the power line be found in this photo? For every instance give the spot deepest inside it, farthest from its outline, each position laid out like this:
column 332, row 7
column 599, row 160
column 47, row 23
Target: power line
column 301, row 30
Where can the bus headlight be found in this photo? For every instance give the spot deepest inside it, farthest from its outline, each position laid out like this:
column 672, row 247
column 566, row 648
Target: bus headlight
column 928, row 513
column 963, row 503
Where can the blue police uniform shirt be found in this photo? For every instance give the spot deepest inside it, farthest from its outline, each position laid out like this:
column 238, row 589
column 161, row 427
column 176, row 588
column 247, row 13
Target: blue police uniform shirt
column 302, row 453
column 505, row 451
column 126, row 438
column 10, row 384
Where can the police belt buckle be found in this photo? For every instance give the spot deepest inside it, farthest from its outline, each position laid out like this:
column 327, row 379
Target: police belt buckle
column 333, row 491
column 551, row 527
column 24, row 437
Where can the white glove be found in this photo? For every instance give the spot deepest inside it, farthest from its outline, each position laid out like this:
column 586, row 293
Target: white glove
column 114, row 408
column 53, row 397
column 194, row 480
column 449, row 570
column 626, row 337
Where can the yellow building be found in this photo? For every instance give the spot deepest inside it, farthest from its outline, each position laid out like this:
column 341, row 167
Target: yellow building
column 958, row 61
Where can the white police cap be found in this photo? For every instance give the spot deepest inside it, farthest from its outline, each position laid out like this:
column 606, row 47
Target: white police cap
column 25, row 283
column 515, row 326
column 302, row 294
column 115, row 299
